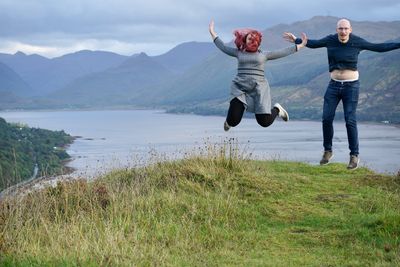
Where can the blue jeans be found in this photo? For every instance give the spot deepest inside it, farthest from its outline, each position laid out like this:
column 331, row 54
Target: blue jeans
column 348, row 93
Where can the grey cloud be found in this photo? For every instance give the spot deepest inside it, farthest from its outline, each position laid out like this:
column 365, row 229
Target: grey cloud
column 47, row 22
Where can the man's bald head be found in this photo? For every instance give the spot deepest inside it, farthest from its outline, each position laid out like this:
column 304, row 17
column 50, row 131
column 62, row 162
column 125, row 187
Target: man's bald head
column 343, row 22
column 343, row 29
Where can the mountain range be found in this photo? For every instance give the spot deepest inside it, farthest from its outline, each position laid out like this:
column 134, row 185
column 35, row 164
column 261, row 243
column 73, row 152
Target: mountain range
column 195, row 77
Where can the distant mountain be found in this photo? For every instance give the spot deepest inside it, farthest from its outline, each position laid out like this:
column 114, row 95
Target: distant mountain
column 13, row 90
column 122, row 85
column 137, row 81
column 79, row 64
column 48, row 75
column 11, row 82
column 22, row 63
column 28, row 68
column 195, row 77
column 184, row 56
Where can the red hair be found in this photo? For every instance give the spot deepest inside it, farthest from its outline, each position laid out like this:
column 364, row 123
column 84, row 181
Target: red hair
column 240, row 39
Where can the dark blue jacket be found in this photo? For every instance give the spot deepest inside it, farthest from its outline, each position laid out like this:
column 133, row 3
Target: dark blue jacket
column 345, row 55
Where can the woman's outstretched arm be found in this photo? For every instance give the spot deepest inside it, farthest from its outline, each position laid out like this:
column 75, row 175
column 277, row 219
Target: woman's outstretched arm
column 233, row 52
column 289, row 50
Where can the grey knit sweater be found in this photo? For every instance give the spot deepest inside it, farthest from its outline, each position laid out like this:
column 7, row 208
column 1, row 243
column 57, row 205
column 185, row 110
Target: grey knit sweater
column 250, row 85
column 253, row 63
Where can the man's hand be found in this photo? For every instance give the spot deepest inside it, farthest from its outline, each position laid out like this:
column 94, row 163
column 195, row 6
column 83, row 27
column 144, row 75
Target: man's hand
column 290, row 37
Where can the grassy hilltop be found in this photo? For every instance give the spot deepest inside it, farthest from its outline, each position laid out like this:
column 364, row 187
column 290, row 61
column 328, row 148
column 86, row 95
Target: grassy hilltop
column 215, row 208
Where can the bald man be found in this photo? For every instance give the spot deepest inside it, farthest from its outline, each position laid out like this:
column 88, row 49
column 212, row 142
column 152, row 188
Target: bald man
column 343, row 50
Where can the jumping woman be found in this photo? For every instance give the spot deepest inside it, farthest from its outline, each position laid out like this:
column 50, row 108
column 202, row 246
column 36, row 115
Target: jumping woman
column 249, row 89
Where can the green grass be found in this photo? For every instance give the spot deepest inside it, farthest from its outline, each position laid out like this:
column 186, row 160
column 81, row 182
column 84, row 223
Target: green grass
column 211, row 209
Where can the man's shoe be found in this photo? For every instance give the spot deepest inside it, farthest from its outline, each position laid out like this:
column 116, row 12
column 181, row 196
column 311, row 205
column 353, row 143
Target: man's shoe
column 282, row 112
column 226, row 126
column 326, row 157
column 353, row 163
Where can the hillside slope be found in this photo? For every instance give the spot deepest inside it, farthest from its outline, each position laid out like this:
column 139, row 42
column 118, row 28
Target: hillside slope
column 210, row 210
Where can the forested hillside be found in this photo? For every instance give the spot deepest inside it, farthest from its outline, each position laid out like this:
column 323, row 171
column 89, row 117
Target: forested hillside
column 22, row 148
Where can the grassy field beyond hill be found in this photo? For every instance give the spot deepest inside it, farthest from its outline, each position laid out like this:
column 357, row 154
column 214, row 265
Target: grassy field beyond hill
column 212, row 209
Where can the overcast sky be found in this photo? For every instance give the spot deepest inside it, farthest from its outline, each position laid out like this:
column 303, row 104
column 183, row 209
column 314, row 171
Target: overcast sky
column 56, row 27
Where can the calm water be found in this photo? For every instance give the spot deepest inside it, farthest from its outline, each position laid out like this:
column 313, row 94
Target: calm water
column 116, row 139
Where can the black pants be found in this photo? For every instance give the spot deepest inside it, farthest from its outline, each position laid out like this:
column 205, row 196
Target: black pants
column 236, row 111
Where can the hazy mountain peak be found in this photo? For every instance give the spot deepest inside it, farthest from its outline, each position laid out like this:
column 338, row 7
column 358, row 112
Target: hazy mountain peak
column 323, row 18
column 19, row 53
column 84, row 51
column 139, row 60
column 142, row 54
column 88, row 54
column 185, row 55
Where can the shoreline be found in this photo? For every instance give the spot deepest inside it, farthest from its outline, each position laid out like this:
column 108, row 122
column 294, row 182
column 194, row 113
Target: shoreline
column 24, row 187
column 67, row 171
column 176, row 113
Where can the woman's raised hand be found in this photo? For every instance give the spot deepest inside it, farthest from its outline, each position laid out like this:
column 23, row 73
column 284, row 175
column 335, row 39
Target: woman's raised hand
column 212, row 31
